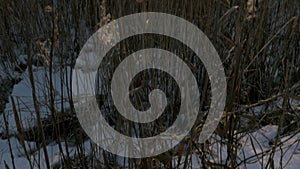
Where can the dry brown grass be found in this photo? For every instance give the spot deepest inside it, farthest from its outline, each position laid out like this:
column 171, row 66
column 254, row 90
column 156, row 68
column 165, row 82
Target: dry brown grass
column 258, row 44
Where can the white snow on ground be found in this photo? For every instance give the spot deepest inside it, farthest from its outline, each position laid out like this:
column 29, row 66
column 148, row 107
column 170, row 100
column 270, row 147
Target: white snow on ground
column 262, row 140
column 6, row 155
column 252, row 144
column 252, row 147
column 36, row 157
column 22, row 94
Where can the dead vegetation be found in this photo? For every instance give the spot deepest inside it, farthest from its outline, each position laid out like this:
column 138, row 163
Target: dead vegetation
column 257, row 40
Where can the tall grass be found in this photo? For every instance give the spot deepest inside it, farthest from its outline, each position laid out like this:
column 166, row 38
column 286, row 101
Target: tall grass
column 258, row 42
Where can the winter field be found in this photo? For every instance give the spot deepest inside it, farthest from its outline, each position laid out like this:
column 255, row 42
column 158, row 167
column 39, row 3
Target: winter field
column 258, row 43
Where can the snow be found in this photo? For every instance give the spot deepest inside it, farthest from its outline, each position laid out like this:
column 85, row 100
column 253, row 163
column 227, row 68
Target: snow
column 22, row 94
column 252, row 145
column 22, row 59
column 37, row 156
column 6, row 154
column 194, row 161
column 260, row 143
